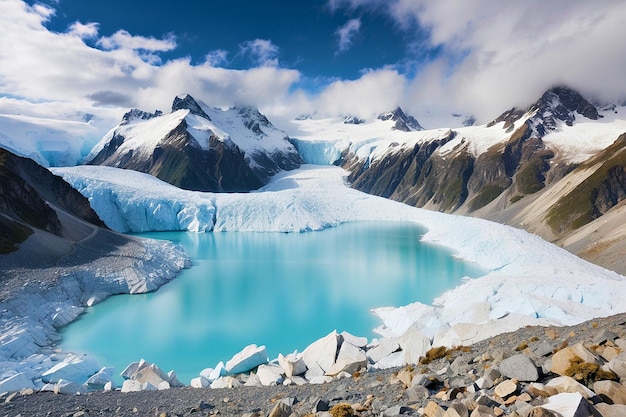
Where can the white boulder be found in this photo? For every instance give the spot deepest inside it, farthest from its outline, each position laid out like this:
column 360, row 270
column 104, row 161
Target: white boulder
column 322, row 352
column 72, row 368
column 270, row 374
column 199, row 382
column 100, row 379
column 249, row 358
column 414, row 344
column 292, row 365
column 350, row 359
column 385, row 347
column 357, row 341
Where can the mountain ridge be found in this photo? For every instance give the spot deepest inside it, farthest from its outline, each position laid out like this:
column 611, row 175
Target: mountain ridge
column 236, row 150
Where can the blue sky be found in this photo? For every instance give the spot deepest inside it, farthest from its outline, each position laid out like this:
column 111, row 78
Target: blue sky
column 306, row 35
column 66, row 58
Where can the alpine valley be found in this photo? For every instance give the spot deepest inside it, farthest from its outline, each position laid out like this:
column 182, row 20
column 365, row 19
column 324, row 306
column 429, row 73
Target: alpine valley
column 531, row 197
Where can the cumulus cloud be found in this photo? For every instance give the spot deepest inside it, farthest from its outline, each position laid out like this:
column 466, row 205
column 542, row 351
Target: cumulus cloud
column 375, row 92
column 499, row 54
column 110, row 98
column 84, row 31
column 346, row 33
column 217, row 57
column 261, row 51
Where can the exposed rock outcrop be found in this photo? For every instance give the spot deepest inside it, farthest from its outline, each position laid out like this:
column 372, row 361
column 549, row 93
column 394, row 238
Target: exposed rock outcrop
column 191, row 150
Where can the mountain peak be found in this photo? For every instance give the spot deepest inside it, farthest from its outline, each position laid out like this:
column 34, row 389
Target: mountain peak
column 404, row 122
column 136, row 114
column 186, row 102
column 560, row 103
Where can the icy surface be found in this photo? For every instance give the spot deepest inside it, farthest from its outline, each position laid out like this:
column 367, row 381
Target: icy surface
column 50, row 142
column 530, row 281
column 322, row 140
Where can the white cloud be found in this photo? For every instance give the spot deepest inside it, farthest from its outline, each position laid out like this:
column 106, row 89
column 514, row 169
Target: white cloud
column 261, row 51
column 346, row 33
column 498, row 54
column 84, row 31
column 375, row 92
column 217, row 57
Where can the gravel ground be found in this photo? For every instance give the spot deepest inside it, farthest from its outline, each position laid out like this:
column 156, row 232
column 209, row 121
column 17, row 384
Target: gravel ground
column 376, row 391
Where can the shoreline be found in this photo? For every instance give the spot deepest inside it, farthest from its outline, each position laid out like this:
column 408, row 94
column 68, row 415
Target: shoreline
column 530, row 282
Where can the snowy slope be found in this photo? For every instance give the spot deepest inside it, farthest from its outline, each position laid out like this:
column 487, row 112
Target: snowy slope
column 321, row 140
column 530, row 281
column 50, row 142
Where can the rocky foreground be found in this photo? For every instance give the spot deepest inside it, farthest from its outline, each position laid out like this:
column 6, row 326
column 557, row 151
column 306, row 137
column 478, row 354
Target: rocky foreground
column 536, row 371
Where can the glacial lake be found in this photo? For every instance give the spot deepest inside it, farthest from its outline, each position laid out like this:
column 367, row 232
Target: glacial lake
column 281, row 290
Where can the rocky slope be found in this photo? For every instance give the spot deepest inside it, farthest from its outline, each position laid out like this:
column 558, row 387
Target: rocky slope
column 552, row 168
column 31, row 198
column 198, row 148
column 535, row 371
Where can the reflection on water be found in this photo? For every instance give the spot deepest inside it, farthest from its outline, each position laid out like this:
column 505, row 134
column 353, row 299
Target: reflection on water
column 281, row 290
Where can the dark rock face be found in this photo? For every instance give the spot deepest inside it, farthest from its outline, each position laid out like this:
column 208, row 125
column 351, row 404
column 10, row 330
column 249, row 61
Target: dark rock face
column 521, row 166
column 560, row 104
column 597, row 194
column 187, row 102
column 179, row 160
column 404, row 123
column 30, row 196
column 136, row 114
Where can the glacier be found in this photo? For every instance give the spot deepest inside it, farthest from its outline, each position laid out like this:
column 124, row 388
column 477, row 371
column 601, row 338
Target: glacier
column 529, row 281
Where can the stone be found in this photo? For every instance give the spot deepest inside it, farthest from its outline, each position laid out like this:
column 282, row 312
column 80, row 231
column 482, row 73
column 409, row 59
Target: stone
column 519, row 367
column 506, row 388
column 350, row 359
column 225, row 382
column 393, row 360
column 133, row 367
column 69, row 388
column 618, row 365
column 482, row 411
column 253, row 381
column 570, row 405
column 608, row 353
column 405, row 376
column 385, row 348
column 414, row 344
column 292, row 365
column 270, row 375
column 281, row 409
column 433, row 409
column 131, row 385
column 608, row 410
column 357, row 341
column 611, row 390
column 457, row 409
column 246, row 360
column 604, row 336
column 72, row 368
column 199, row 382
column 396, row 410
column 542, row 348
column 561, row 360
column 542, row 412
column 151, row 374
column 566, row 384
column 100, row 379
column 416, row 393
column 322, row 352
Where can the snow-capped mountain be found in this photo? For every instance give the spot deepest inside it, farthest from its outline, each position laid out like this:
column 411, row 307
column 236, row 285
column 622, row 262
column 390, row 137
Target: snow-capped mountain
column 562, row 156
column 198, row 148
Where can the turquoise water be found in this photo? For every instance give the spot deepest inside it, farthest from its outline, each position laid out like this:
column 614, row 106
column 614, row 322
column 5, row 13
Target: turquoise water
column 283, row 290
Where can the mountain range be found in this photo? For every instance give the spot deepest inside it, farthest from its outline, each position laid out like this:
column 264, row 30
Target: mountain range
column 555, row 168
